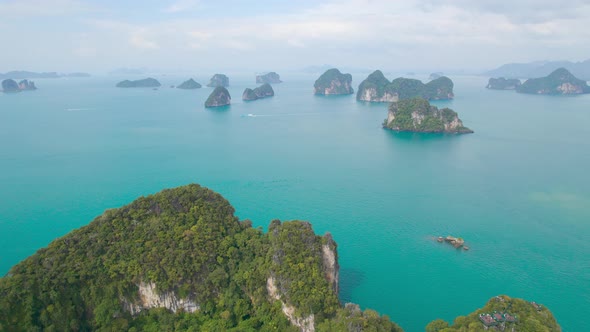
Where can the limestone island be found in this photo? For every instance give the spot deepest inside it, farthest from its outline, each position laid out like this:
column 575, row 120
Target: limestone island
column 333, row 82
column 436, row 75
column 559, row 82
column 502, row 83
column 218, row 80
column 219, row 97
column 10, row 85
column 502, row 313
column 377, row 88
column 189, row 85
column 271, row 78
column 144, row 83
column 180, row 260
column 417, row 115
column 262, row 91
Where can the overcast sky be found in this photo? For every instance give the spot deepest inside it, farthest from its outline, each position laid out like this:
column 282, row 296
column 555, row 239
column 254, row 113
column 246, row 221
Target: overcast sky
column 257, row 35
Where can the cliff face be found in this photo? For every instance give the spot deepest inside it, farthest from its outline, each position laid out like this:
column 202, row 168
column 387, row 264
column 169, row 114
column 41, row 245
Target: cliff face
column 330, row 264
column 271, row 78
column 417, row 115
column 219, row 97
column 376, row 88
column 503, row 84
column 333, row 82
column 219, row 80
column 559, row 82
column 149, row 298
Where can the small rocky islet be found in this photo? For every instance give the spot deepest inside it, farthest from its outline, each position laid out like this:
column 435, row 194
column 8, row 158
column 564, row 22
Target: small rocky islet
column 270, row 78
column 502, row 83
column 219, row 97
column 417, row 115
column 260, row 92
column 11, row 86
column 189, row 84
column 218, row 80
column 143, row 83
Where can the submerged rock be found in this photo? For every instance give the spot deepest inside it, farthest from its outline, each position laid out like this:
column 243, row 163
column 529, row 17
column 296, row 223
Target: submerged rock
column 417, row 115
column 189, row 85
column 502, row 83
column 271, row 78
column 262, row 91
column 219, row 97
column 333, row 82
column 143, row 83
column 218, row 80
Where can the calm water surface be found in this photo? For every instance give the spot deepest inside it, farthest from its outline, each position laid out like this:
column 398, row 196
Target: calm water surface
column 517, row 190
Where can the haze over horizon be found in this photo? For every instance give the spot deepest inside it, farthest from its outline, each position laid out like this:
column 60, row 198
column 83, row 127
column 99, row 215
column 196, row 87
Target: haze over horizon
column 414, row 35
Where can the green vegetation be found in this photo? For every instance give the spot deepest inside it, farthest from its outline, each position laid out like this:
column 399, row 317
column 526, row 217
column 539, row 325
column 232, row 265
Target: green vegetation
column 10, row 85
column 558, row 82
column 417, row 115
column 271, row 78
column 188, row 243
column 219, row 97
column 377, row 88
column 189, row 84
column 333, row 82
column 144, row 83
column 262, row 91
column 528, row 318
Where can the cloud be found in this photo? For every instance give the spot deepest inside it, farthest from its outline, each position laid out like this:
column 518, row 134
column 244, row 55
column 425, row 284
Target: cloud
column 181, row 6
column 26, row 8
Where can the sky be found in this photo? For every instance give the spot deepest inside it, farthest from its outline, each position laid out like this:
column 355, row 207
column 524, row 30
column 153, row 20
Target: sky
column 398, row 35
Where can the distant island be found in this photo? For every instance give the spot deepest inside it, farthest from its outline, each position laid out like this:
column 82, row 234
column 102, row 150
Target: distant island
column 333, row 82
column 271, row 78
column 502, row 83
column 22, row 74
column 417, row 115
column 559, row 82
column 540, row 69
column 436, row 75
column 189, row 85
column 262, row 91
column 218, row 80
column 219, row 97
column 376, row 88
column 10, row 85
column 502, row 313
column 143, row 83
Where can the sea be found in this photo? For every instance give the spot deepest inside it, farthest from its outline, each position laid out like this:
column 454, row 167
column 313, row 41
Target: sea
column 517, row 190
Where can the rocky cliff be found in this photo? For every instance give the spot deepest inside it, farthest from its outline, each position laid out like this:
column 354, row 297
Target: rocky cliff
column 271, row 78
column 559, row 82
column 219, row 97
column 376, row 88
column 502, row 83
column 262, row 91
column 333, row 82
column 189, row 85
column 218, row 80
column 143, row 83
column 417, row 115
column 27, row 85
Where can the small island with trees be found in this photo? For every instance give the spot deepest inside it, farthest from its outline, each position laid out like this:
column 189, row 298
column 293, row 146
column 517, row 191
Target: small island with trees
column 333, row 82
column 559, row 82
column 218, row 97
column 189, row 84
column 262, row 91
column 270, row 78
column 218, row 80
column 143, row 83
column 417, row 115
column 10, row 85
column 377, row 88
column 502, row 83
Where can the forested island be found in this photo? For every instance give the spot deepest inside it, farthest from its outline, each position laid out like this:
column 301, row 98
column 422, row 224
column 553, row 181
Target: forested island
column 189, row 84
column 271, row 78
column 262, row 91
column 181, row 260
column 417, row 115
column 502, row 83
column 218, row 97
column 559, row 82
column 377, row 88
column 333, row 82
column 218, row 80
column 143, row 83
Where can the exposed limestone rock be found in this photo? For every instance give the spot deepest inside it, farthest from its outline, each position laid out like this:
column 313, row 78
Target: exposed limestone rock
column 149, row 298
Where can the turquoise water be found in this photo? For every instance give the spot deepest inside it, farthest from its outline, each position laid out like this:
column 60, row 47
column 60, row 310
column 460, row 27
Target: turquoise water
column 517, row 190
